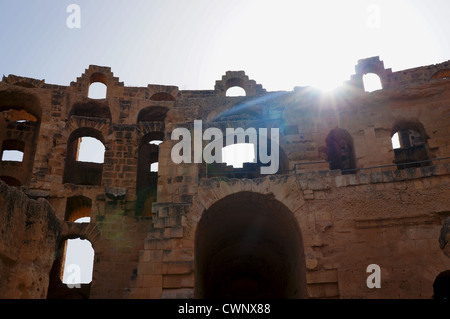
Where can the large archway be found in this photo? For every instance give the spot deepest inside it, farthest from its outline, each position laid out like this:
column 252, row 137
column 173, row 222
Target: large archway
column 249, row 245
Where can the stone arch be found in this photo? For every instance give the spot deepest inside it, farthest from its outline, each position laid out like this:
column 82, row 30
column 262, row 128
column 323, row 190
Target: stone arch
column 56, row 288
column 162, row 96
column 20, row 119
column 70, row 230
column 82, row 173
column 146, row 180
column 87, row 231
column 213, row 190
column 371, row 82
column 341, row 151
column 162, row 93
column 78, row 123
column 152, row 114
column 370, row 65
column 11, row 181
column 413, row 150
column 250, row 170
column 95, row 73
column 441, row 286
column 100, row 91
column 240, row 79
column 248, row 245
column 77, row 207
column 91, row 108
column 17, row 100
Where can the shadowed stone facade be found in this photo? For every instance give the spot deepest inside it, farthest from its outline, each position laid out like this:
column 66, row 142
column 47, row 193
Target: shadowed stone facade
column 342, row 199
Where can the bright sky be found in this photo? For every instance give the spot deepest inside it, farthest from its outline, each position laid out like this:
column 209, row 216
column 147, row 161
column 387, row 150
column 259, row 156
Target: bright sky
column 191, row 44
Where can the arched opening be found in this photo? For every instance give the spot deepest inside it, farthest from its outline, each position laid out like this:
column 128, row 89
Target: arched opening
column 97, row 86
column 243, row 157
column 12, row 150
column 84, row 158
column 20, row 115
column 92, row 109
column 78, row 262
column 162, row 96
column 235, row 87
column 97, row 91
column 11, row 181
column 147, row 172
column 152, row 114
column 77, row 207
column 235, row 91
column 90, row 150
column 371, row 82
column 249, row 245
column 441, row 286
column 395, row 140
column 238, row 154
column 409, row 145
column 341, row 151
column 20, row 102
column 72, row 270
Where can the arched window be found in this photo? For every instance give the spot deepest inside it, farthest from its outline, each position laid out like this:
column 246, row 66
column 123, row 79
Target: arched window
column 162, row 96
column 154, row 163
column 248, row 245
column 20, row 115
column 97, row 86
column 371, row 82
column 11, row 181
column 78, row 262
column 147, row 172
column 235, row 87
column 238, row 154
column 90, row 150
column 441, row 286
column 244, row 157
column 97, row 91
column 91, row 109
column 152, row 114
column 235, row 91
column 78, row 207
column 84, row 158
column 340, row 151
column 409, row 145
column 395, row 141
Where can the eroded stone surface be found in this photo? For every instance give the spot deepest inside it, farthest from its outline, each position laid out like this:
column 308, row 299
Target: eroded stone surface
column 30, row 233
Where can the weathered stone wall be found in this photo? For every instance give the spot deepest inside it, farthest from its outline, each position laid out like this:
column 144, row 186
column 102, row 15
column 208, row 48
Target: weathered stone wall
column 347, row 223
column 30, row 233
column 144, row 237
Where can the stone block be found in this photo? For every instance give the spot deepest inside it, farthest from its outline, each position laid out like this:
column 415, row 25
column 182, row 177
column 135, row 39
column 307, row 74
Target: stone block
column 321, row 276
column 175, row 268
column 375, row 177
column 340, row 181
column 152, row 281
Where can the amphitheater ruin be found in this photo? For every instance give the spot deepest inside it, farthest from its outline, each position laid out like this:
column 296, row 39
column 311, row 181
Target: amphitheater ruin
column 344, row 196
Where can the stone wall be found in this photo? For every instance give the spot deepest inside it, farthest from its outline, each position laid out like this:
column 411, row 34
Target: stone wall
column 30, row 233
column 347, row 197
